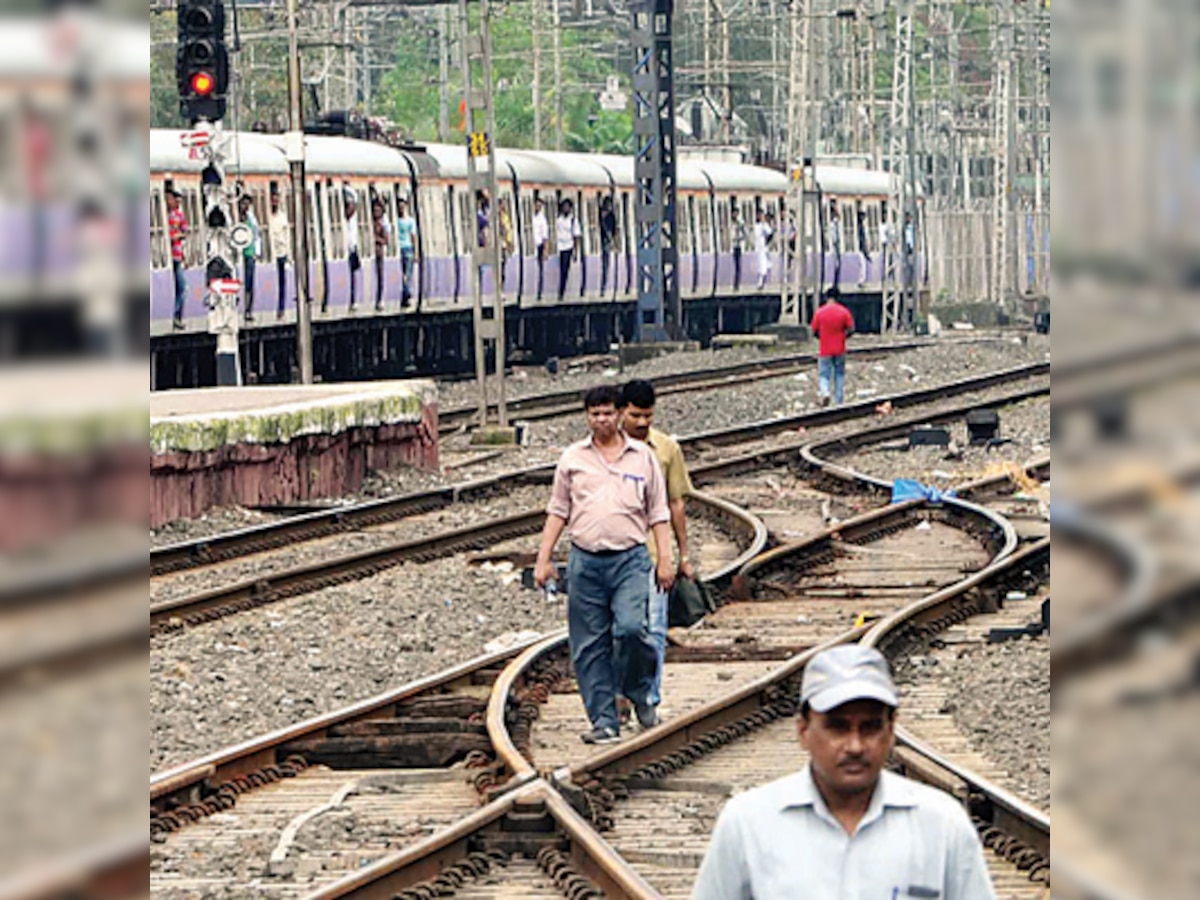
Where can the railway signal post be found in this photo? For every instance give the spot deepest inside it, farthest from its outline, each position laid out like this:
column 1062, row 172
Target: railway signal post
column 202, row 74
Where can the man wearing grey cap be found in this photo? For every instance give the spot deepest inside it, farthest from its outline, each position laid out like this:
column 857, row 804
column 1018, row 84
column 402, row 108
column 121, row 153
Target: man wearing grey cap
column 841, row 828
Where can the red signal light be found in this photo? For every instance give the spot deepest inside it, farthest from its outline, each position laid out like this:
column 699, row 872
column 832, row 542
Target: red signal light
column 203, row 84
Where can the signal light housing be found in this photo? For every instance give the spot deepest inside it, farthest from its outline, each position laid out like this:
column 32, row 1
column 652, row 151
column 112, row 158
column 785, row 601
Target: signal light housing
column 201, row 60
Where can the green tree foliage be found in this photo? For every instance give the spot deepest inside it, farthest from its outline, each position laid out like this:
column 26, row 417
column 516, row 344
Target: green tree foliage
column 409, row 93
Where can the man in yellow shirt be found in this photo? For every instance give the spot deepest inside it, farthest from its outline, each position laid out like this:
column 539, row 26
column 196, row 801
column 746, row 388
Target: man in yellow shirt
column 637, row 420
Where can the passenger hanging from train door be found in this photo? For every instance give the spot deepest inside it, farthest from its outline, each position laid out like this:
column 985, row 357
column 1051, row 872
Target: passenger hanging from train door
column 352, row 243
column 504, row 223
column 910, row 246
column 250, row 252
column 483, row 208
column 863, row 247
column 541, row 241
column 567, row 238
column 763, row 233
column 739, row 244
column 279, row 233
column 382, row 233
column 835, row 241
column 406, row 235
column 608, row 234
column 177, row 231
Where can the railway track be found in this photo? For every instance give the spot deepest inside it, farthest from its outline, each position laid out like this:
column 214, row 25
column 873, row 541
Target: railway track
column 336, row 784
column 265, row 586
column 653, row 798
column 270, row 536
column 557, row 403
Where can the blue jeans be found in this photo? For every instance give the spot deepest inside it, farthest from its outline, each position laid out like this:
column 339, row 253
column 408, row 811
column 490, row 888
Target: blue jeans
column 658, row 634
column 407, row 255
column 180, row 288
column 831, row 367
column 607, row 624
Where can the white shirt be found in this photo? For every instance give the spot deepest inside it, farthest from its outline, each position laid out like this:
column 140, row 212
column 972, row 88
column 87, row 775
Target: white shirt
column 762, row 236
column 541, row 229
column 835, row 234
column 780, row 842
column 279, row 231
column 352, row 233
column 566, row 229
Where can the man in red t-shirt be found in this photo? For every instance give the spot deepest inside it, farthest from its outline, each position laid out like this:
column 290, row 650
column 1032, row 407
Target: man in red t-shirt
column 832, row 324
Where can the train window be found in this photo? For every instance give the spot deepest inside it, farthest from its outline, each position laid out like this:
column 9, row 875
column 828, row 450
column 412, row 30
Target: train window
column 685, row 227
column 589, row 221
column 524, row 224
column 705, row 226
column 722, row 226
column 624, row 227
column 466, row 232
column 193, row 247
column 335, row 221
column 450, row 229
column 433, row 233
column 159, row 249
column 315, row 245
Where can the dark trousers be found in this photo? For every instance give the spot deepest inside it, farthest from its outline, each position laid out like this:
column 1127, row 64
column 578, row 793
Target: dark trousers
column 227, row 372
column 378, row 280
column 355, row 267
column 608, row 621
column 541, row 261
column 281, row 277
column 564, row 270
column 248, row 282
column 604, row 263
column 737, row 267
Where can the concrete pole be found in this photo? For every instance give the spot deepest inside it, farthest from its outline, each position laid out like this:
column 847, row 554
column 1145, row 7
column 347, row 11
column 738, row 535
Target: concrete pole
column 556, row 25
column 535, row 8
column 294, row 145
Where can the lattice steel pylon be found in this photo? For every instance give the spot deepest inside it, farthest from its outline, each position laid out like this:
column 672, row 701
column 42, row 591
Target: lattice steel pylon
column 481, row 149
column 659, row 312
column 792, row 281
column 899, row 272
column 1002, row 63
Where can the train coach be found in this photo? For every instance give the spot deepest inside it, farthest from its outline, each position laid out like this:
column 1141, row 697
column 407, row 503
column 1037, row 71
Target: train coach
column 719, row 277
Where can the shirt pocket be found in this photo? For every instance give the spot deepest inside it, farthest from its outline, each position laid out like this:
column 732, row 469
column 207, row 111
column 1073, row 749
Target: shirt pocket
column 631, row 492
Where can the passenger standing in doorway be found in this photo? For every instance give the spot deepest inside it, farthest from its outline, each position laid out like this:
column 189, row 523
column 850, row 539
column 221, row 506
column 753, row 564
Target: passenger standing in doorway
column 862, row 244
column 835, row 241
column 567, row 235
column 541, row 241
column 504, row 223
column 177, row 231
column 608, row 235
column 739, row 244
column 352, row 245
column 637, row 421
column 483, row 209
column 831, row 325
column 382, row 233
column 842, row 826
column 250, row 252
column 910, row 246
column 762, row 247
column 279, row 232
column 406, row 235
column 609, row 495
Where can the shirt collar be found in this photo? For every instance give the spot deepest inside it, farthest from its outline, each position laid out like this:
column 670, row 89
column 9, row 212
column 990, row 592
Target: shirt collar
column 626, row 443
column 799, row 790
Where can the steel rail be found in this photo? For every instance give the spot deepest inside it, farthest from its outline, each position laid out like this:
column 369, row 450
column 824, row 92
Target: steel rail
column 267, row 536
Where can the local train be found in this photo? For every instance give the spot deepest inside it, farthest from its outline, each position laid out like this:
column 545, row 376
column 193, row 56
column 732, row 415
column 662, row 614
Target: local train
column 433, row 179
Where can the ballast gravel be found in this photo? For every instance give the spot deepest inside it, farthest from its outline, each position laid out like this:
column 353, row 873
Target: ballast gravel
column 216, row 684
column 999, row 697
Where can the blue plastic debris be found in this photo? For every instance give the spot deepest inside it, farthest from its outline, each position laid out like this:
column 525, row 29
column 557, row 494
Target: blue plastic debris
column 904, row 489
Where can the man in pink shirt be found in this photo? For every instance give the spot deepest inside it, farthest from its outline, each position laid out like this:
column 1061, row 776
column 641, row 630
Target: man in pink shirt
column 609, row 493
column 832, row 324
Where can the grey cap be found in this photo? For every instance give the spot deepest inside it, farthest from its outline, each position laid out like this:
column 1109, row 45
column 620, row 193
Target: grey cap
column 846, row 673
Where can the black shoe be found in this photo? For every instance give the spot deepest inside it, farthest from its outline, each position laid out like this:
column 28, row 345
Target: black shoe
column 177, row 324
column 600, row 736
column 647, row 716
column 379, row 306
column 249, row 318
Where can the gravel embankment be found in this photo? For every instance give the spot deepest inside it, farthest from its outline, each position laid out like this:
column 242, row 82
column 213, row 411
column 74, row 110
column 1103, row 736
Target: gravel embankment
column 682, row 414
column 999, row 696
column 216, row 684
column 1024, row 434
